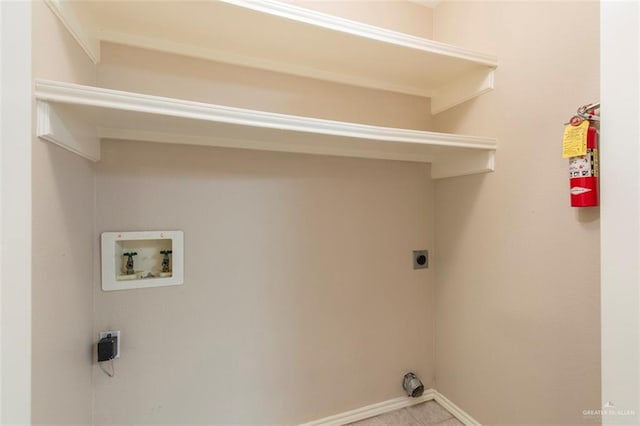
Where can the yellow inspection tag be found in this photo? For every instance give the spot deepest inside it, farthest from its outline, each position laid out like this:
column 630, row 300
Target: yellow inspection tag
column 574, row 142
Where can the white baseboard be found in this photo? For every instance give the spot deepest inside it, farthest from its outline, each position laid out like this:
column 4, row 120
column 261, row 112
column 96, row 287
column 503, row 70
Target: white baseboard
column 392, row 405
column 372, row 410
column 457, row 412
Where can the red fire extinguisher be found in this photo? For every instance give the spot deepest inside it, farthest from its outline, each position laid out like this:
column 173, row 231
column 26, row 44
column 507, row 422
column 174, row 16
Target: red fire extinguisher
column 584, row 169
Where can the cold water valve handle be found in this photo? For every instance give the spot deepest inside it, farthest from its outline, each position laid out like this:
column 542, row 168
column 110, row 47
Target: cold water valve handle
column 129, row 264
column 166, row 260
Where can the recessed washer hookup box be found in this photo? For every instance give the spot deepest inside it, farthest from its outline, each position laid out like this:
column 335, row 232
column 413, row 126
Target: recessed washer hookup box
column 142, row 259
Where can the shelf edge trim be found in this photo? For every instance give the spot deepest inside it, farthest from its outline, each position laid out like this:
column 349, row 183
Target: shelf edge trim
column 336, row 23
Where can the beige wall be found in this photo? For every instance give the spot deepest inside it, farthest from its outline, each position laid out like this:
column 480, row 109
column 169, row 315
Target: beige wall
column 299, row 298
column 63, row 226
column 518, row 301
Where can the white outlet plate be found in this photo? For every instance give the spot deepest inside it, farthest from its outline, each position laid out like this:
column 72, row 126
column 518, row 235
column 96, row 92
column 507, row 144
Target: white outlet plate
column 115, row 333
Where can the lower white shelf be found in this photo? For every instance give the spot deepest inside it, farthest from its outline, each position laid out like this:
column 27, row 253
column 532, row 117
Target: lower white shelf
column 77, row 117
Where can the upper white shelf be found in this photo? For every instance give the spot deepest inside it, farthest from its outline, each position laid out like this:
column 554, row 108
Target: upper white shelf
column 285, row 38
column 77, row 117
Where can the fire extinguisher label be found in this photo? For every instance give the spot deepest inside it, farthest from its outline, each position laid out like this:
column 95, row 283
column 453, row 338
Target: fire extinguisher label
column 577, row 190
column 574, row 140
column 584, row 165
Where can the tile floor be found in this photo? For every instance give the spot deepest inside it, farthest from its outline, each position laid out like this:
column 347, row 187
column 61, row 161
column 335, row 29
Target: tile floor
column 428, row 413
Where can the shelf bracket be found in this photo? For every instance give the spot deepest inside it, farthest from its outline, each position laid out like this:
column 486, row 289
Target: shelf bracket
column 56, row 125
column 462, row 164
column 462, row 89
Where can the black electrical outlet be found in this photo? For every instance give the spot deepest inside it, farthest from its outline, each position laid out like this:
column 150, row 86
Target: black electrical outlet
column 420, row 259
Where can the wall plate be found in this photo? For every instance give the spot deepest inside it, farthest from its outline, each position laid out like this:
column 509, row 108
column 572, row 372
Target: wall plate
column 146, row 248
column 420, row 259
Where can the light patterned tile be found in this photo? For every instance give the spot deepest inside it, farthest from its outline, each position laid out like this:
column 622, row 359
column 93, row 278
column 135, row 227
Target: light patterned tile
column 398, row 418
column 429, row 413
column 450, row 422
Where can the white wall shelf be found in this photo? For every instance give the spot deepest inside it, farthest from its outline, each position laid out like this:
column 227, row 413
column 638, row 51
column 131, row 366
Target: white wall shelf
column 281, row 37
column 78, row 117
